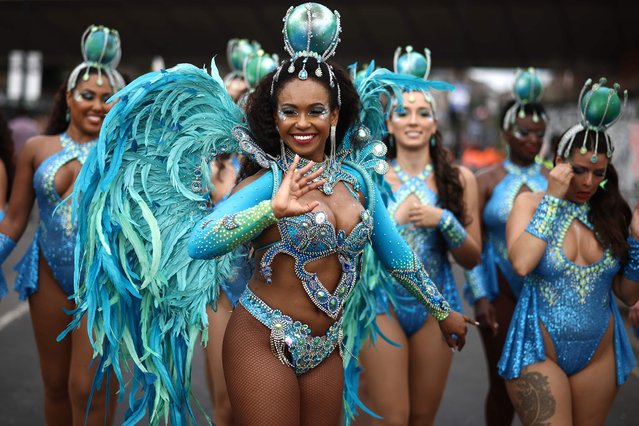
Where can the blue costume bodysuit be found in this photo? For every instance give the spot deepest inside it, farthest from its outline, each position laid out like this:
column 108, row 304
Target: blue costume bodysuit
column 482, row 279
column 431, row 249
column 573, row 302
column 306, row 238
column 56, row 232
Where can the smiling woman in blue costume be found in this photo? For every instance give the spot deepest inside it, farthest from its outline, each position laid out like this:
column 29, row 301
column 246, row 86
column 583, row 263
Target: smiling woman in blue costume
column 46, row 171
column 493, row 286
column 567, row 352
column 435, row 211
column 250, row 64
column 308, row 207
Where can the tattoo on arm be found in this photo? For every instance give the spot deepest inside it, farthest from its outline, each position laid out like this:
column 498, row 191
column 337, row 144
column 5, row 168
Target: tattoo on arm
column 535, row 403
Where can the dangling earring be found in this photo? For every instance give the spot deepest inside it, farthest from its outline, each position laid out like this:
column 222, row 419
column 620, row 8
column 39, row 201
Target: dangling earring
column 283, row 154
column 391, row 140
column 67, row 116
column 333, row 144
column 433, row 140
column 603, row 183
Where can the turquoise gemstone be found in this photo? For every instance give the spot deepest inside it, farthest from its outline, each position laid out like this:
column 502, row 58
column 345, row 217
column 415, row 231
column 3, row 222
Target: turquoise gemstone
column 102, row 45
column 321, row 296
column 527, row 86
column 332, row 303
column 593, row 106
column 323, row 28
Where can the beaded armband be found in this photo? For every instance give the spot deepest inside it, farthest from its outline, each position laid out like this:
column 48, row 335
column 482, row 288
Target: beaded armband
column 475, row 280
column 541, row 223
column 453, row 232
column 6, row 247
column 631, row 270
column 222, row 235
column 415, row 279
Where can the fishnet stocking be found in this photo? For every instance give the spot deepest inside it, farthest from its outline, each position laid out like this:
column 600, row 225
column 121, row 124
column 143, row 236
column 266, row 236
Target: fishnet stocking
column 263, row 391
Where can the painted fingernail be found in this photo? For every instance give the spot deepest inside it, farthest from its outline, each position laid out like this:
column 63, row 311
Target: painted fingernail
column 453, row 350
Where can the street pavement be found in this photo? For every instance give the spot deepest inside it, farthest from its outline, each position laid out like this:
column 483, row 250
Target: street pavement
column 21, row 387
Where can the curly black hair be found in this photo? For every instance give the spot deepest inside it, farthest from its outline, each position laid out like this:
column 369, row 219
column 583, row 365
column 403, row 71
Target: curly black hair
column 609, row 213
column 261, row 106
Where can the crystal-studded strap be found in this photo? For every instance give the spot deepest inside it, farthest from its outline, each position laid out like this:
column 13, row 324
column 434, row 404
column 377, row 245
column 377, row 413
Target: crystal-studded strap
column 232, row 230
column 452, row 230
column 631, row 270
column 418, row 283
column 542, row 221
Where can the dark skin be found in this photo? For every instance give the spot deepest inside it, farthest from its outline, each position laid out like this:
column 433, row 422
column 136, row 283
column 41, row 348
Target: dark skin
column 524, row 139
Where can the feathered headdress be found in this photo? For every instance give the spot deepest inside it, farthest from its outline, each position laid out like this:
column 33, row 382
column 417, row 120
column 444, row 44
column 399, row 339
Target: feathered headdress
column 416, row 64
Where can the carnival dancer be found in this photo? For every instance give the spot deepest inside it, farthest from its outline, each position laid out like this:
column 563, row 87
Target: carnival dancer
column 493, row 286
column 435, row 210
column 577, row 244
column 46, row 171
column 307, row 216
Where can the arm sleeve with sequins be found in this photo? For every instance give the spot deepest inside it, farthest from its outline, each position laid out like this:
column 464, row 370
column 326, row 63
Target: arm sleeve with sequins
column 239, row 219
column 402, row 263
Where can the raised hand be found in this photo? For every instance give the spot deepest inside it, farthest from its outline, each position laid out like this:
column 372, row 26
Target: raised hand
column 454, row 329
column 295, row 184
column 559, row 179
column 424, row 216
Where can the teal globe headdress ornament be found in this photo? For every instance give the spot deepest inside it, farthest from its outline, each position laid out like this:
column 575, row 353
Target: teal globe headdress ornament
column 257, row 66
column 414, row 63
column 411, row 62
column 527, row 89
column 237, row 52
column 599, row 108
column 311, row 30
column 101, row 50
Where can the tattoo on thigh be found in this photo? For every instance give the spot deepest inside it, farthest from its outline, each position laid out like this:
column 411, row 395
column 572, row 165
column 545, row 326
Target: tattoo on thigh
column 535, row 403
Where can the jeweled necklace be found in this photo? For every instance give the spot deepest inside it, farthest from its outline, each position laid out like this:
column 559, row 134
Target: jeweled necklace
column 327, row 174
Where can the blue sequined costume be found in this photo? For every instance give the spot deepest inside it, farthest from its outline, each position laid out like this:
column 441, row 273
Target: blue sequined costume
column 573, row 302
column 430, row 247
column 482, row 279
column 307, row 238
column 55, row 236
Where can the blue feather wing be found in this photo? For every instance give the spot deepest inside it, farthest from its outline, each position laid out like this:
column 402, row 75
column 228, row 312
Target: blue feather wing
column 140, row 193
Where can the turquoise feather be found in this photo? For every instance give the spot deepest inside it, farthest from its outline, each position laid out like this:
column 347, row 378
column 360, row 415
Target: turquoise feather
column 136, row 202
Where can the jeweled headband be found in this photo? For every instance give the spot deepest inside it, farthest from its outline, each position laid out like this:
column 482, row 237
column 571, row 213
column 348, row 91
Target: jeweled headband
column 310, row 30
column 101, row 50
column 527, row 89
column 599, row 107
